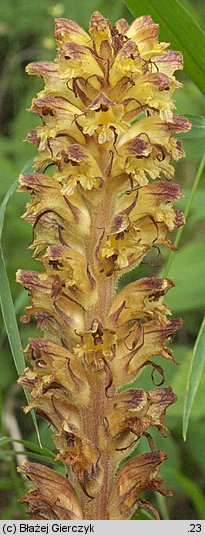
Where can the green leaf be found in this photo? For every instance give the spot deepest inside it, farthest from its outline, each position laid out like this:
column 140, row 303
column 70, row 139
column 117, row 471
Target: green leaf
column 178, row 27
column 11, row 326
column 9, row 317
column 33, row 455
column 5, row 440
column 143, row 515
column 195, row 374
column 6, row 302
column 10, row 192
column 19, row 304
column 162, row 506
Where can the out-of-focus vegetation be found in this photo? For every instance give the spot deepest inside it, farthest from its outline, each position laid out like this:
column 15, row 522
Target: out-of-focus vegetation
column 26, row 34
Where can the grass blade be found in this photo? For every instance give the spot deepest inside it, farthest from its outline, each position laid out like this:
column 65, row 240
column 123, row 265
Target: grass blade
column 168, row 14
column 9, row 317
column 195, row 373
column 32, row 455
column 6, row 440
column 162, row 506
column 19, row 304
column 6, row 301
column 11, row 326
column 186, row 214
column 10, row 192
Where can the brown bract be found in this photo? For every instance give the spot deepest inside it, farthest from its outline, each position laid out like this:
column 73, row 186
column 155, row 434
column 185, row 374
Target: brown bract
column 101, row 200
column 52, row 496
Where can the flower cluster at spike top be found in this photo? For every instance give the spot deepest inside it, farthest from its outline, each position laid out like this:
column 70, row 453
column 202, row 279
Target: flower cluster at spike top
column 101, row 199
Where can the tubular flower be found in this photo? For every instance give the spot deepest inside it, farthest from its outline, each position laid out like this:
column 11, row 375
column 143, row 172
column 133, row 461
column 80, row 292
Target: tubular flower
column 100, row 201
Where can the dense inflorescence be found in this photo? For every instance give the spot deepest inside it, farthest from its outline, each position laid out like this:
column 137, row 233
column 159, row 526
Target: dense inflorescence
column 96, row 210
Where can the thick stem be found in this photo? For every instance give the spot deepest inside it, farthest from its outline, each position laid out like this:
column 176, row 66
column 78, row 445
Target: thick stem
column 93, row 414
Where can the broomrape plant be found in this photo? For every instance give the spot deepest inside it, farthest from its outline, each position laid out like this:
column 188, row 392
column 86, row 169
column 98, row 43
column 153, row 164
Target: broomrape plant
column 98, row 206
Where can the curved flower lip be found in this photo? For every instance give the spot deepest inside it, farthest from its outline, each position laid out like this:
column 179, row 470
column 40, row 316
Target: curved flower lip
column 146, row 39
column 54, row 363
column 59, row 118
column 51, row 298
column 126, row 63
column 141, row 299
column 141, row 220
column 33, row 138
column 170, row 62
column 130, row 413
column 46, row 69
column 55, row 107
column 55, row 406
column 97, row 347
column 138, row 147
column 68, row 30
column 179, row 124
column 153, row 199
column 157, row 130
column 141, row 22
column 77, row 167
column 155, row 194
column 80, row 454
column 70, row 264
column 71, row 209
column 55, row 86
column 150, row 92
column 138, row 475
column 101, row 102
column 142, row 343
column 49, row 485
column 78, row 60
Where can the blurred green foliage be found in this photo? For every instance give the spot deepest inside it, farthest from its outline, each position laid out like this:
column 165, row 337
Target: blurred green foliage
column 26, row 34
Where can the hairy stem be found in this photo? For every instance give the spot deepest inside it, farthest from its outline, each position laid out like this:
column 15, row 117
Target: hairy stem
column 93, row 414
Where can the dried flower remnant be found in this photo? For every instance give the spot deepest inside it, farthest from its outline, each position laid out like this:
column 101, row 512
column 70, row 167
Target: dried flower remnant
column 101, row 199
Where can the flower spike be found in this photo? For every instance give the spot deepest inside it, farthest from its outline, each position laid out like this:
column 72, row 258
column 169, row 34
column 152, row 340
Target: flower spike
column 101, row 199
